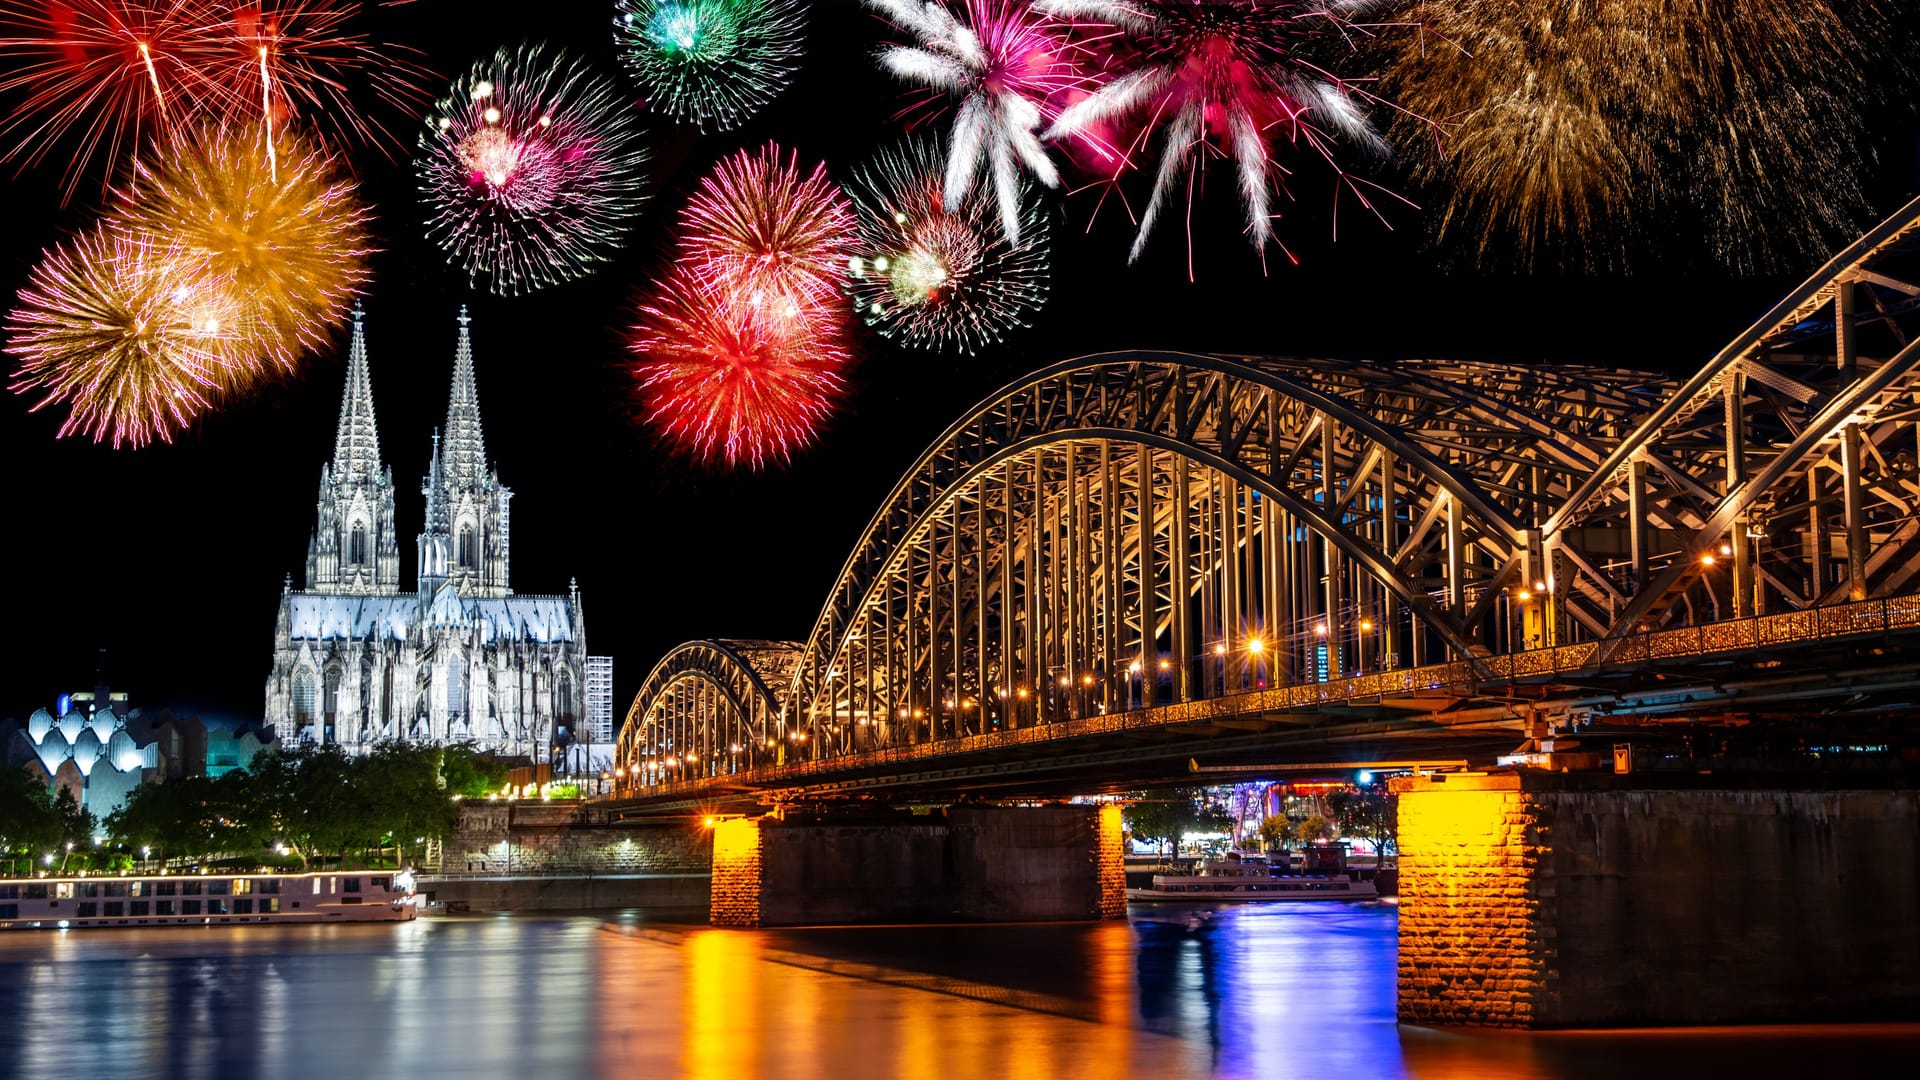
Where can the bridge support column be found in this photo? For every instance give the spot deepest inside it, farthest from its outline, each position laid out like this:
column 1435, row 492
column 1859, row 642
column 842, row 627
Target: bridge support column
column 1532, row 899
column 971, row 864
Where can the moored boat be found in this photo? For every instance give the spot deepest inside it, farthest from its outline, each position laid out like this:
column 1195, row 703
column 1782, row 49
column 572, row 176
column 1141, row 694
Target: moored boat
column 1250, row 878
column 95, row 901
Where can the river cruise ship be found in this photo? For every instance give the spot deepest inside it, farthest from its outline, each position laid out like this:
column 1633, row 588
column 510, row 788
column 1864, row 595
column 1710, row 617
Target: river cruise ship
column 1249, row 877
column 93, row 901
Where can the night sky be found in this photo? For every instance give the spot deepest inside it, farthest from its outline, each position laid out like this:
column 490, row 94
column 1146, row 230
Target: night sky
column 171, row 558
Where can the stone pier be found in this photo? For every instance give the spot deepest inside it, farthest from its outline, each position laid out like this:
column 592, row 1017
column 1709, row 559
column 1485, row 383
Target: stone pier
column 1535, row 899
column 967, row 863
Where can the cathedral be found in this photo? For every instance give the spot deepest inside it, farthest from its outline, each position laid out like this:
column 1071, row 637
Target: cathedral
column 459, row 657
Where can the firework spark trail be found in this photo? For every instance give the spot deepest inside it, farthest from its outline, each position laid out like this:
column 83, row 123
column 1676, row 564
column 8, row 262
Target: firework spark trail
column 1233, row 73
column 711, row 62
column 760, row 229
column 293, row 239
column 1575, row 127
column 935, row 277
column 530, row 170
column 731, row 381
column 1006, row 63
column 133, row 335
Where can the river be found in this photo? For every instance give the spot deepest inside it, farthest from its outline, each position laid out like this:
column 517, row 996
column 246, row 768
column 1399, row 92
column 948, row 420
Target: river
column 1270, row 991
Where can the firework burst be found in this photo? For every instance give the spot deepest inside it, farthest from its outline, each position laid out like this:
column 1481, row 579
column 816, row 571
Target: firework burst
column 1003, row 63
column 936, row 277
column 291, row 237
column 758, row 228
column 133, row 335
column 1227, row 78
column 105, row 72
column 1577, row 125
column 732, row 381
column 531, row 170
column 711, row 62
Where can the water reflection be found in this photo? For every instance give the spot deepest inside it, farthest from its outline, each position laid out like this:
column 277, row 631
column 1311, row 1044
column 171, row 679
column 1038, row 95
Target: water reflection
column 1270, row 991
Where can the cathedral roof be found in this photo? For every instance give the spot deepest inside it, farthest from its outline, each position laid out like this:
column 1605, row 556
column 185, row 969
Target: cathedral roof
column 356, row 445
column 321, row 617
column 465, row 448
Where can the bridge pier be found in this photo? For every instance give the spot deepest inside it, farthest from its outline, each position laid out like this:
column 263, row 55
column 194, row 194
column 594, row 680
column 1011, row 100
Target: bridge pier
column 1536, row 899
column 970, row 863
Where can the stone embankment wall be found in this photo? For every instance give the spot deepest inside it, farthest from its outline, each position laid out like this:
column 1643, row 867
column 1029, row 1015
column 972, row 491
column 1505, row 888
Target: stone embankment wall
column 972, row 863
column 1545, row 900
column 503, row 837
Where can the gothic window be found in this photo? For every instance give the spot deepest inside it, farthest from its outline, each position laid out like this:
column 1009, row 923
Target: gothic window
column 330, row 698
column 456, row 694
column 302, row 698
column 466, row 545
column 357, row 545
column 563, row 701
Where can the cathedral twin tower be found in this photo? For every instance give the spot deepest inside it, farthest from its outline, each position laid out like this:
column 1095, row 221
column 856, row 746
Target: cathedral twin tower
column 460, row 657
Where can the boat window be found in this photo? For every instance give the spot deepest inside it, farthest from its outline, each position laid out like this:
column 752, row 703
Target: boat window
column 381, row 884
column 217, row 887
column 88, row 909
column 350, row 899
column 115, row 908
column 36, row 892
column 138, row 907
column 267, row 885
column 9, row 892
column 243, row 907
column 163, row 907
column 164, row 888
column 351, row 884
column 9, row 911
column 134, row 887
column 116, row 888
column 92, row 888
column 63, row 890
column 189, row 907
column 190, row 888
column 270, row 905
column 316, row 886
column 242, row 886
column 216, row 907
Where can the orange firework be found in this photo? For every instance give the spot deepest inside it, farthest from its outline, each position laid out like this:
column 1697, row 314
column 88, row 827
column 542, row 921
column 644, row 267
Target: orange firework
column 286, row 229
column 134, row 336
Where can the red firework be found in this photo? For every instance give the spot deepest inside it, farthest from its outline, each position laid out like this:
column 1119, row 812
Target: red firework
column 726, row 377
column 761, row 232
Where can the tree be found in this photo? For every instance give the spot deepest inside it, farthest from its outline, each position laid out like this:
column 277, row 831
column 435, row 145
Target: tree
column 30, row 825
column 1366, row 813
column 1314, row 827
column 195, row 817
column 1274, row 831
column 1166, row 815
column 470, row 774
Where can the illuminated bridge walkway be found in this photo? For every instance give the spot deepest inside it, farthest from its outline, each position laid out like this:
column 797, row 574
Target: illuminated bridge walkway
column 1128, row 560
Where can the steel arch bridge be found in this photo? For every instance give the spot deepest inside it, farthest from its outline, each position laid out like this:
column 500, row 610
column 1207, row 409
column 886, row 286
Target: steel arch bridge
column 1147, row 537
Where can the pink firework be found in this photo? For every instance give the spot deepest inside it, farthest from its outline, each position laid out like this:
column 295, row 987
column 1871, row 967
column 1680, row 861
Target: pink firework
column 136, row 336
column 1004, row 64
column 105, row 72
column 760, row 230
column 1228, row 78
column 731, row 380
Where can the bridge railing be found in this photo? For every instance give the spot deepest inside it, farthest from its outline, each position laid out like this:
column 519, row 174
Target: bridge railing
column 1456, row 679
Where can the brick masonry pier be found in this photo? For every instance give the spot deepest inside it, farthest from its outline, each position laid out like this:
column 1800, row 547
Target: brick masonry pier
column 1534, row 899
column 969, row 863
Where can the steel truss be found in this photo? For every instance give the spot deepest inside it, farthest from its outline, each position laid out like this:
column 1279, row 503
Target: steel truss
column 1137, row 529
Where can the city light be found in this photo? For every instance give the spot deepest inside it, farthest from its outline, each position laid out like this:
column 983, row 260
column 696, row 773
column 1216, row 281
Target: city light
column 1256, row 646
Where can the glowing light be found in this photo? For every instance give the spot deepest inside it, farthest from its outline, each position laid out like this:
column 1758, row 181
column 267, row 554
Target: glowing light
column 1236, row 78
column 539, row 184
column 710, row 62
column 1320, row 629
column 1220, row 650
column 1364, row 777
column 1256, row 646
column 942, row 279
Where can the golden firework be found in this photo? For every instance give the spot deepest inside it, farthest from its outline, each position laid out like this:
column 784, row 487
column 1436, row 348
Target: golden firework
column 286, row 228
column 134, row 335
column 1571, row 125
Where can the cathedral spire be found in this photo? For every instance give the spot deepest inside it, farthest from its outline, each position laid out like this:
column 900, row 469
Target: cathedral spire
column 465, row 448
column 436, row 486
column 356, row 445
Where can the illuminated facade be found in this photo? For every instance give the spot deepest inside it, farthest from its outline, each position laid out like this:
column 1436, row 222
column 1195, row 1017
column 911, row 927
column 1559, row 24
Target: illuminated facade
column 458, row 658
column 599, row 723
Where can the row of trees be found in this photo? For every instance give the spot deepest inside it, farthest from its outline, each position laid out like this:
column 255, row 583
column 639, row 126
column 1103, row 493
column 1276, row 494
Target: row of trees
column 303, row 803
column 35, row 823
column 1360, row 812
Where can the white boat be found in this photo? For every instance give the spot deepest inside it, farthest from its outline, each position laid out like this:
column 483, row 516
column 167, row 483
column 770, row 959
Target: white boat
column 1249, row 877
column 115, row 900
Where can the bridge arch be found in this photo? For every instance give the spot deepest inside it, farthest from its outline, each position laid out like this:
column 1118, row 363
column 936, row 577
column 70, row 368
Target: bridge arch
column 708, row 709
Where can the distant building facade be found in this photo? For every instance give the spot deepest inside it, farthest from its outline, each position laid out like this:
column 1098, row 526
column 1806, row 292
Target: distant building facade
column 599, row 726
column 459, row 657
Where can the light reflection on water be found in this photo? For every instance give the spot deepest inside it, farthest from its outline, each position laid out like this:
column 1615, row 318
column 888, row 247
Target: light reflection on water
column 1274, row 990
